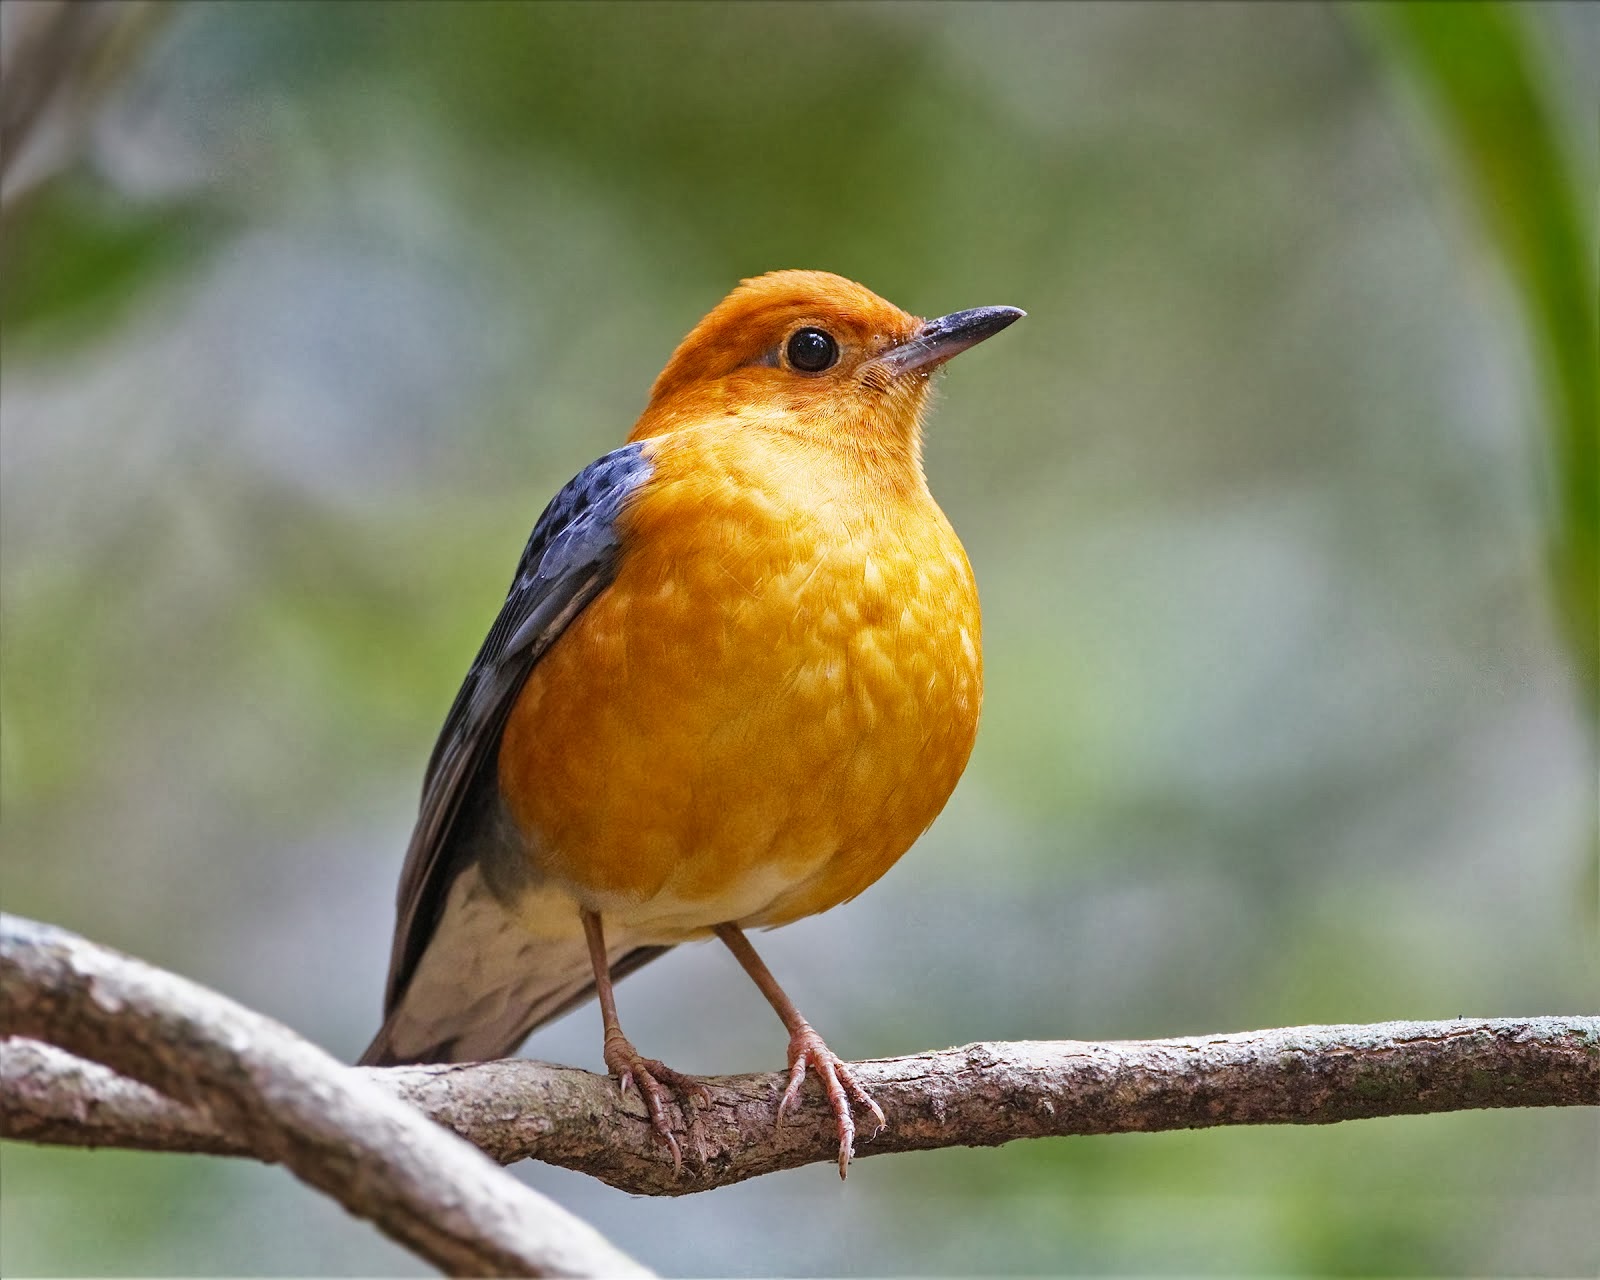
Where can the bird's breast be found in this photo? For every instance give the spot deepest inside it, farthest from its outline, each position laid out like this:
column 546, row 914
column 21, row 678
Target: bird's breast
column 767, row 706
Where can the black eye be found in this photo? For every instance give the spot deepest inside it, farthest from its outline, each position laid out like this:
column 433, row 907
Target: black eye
column 811, row 350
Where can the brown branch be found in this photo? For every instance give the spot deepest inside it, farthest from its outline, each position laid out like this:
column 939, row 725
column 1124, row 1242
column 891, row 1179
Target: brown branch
column 57, row 59
column 282, row 1100
column 989, row 1094
column 49, row 37
column 980, row 1095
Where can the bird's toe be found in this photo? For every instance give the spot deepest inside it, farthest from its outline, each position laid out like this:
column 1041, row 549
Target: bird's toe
column 808, row 1050
column 657, row 1084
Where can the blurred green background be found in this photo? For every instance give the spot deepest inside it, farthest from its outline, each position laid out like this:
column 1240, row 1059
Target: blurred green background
column 1281, row 502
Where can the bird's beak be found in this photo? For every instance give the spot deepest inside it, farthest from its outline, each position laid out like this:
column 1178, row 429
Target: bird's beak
column 937, row 340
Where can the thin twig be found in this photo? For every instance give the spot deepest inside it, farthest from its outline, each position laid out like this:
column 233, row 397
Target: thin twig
column 58, row 61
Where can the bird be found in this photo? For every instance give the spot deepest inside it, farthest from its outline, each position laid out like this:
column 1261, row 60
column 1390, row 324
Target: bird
column 737, row 674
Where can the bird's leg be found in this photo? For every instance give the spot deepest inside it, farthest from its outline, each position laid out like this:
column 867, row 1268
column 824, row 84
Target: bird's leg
column 623, row 1060
column 806, row 1049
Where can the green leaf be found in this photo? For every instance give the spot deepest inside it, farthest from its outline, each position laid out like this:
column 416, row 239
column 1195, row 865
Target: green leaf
column 74, row 258
column 1479, row 72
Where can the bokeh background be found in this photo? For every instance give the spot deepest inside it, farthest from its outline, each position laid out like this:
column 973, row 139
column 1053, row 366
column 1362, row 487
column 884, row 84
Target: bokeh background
column 1281, row 501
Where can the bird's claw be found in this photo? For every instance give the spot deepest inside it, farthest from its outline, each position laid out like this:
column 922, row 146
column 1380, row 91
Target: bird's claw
column 656, row 1083
column 806, row 1048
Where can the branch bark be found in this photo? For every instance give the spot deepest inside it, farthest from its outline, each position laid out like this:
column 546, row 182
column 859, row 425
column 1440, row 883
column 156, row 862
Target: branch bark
column 282, row 1100
column 979, row 1095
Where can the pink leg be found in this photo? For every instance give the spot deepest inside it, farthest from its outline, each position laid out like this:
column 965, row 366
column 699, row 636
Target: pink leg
column 624, row 1061
column 806, row 1048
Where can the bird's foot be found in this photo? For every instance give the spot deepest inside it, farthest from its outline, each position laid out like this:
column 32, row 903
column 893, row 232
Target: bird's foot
column 656, row 1083
column 806, row 1048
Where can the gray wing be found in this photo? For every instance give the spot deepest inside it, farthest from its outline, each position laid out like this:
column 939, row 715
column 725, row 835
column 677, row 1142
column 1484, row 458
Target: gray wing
column 570, row 558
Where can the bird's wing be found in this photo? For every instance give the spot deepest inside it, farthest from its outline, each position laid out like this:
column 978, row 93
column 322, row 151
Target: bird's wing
column 570, row 558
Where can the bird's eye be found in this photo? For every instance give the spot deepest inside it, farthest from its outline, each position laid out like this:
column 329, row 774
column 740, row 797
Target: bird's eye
column 811, row 350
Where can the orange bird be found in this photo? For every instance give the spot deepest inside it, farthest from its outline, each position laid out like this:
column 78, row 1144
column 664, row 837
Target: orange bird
column 736, row 676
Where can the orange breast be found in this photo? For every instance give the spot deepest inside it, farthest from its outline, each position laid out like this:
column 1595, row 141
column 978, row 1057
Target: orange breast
column 769, row 704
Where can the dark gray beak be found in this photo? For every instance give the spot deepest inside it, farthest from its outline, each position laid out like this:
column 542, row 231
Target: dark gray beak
column 947, row 336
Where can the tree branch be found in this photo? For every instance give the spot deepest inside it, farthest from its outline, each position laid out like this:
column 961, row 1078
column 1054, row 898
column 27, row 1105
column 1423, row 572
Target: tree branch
column 282, row 1100
column 980, row 1095
column 57, row 59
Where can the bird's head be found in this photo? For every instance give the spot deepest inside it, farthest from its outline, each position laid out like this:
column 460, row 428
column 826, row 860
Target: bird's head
column 815, row 355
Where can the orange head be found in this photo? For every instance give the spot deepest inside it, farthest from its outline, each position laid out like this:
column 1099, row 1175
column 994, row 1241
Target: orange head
column 814, row 355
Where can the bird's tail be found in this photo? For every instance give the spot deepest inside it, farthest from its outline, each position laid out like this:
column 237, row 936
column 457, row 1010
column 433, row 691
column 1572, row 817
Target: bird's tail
column 463, row 1005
